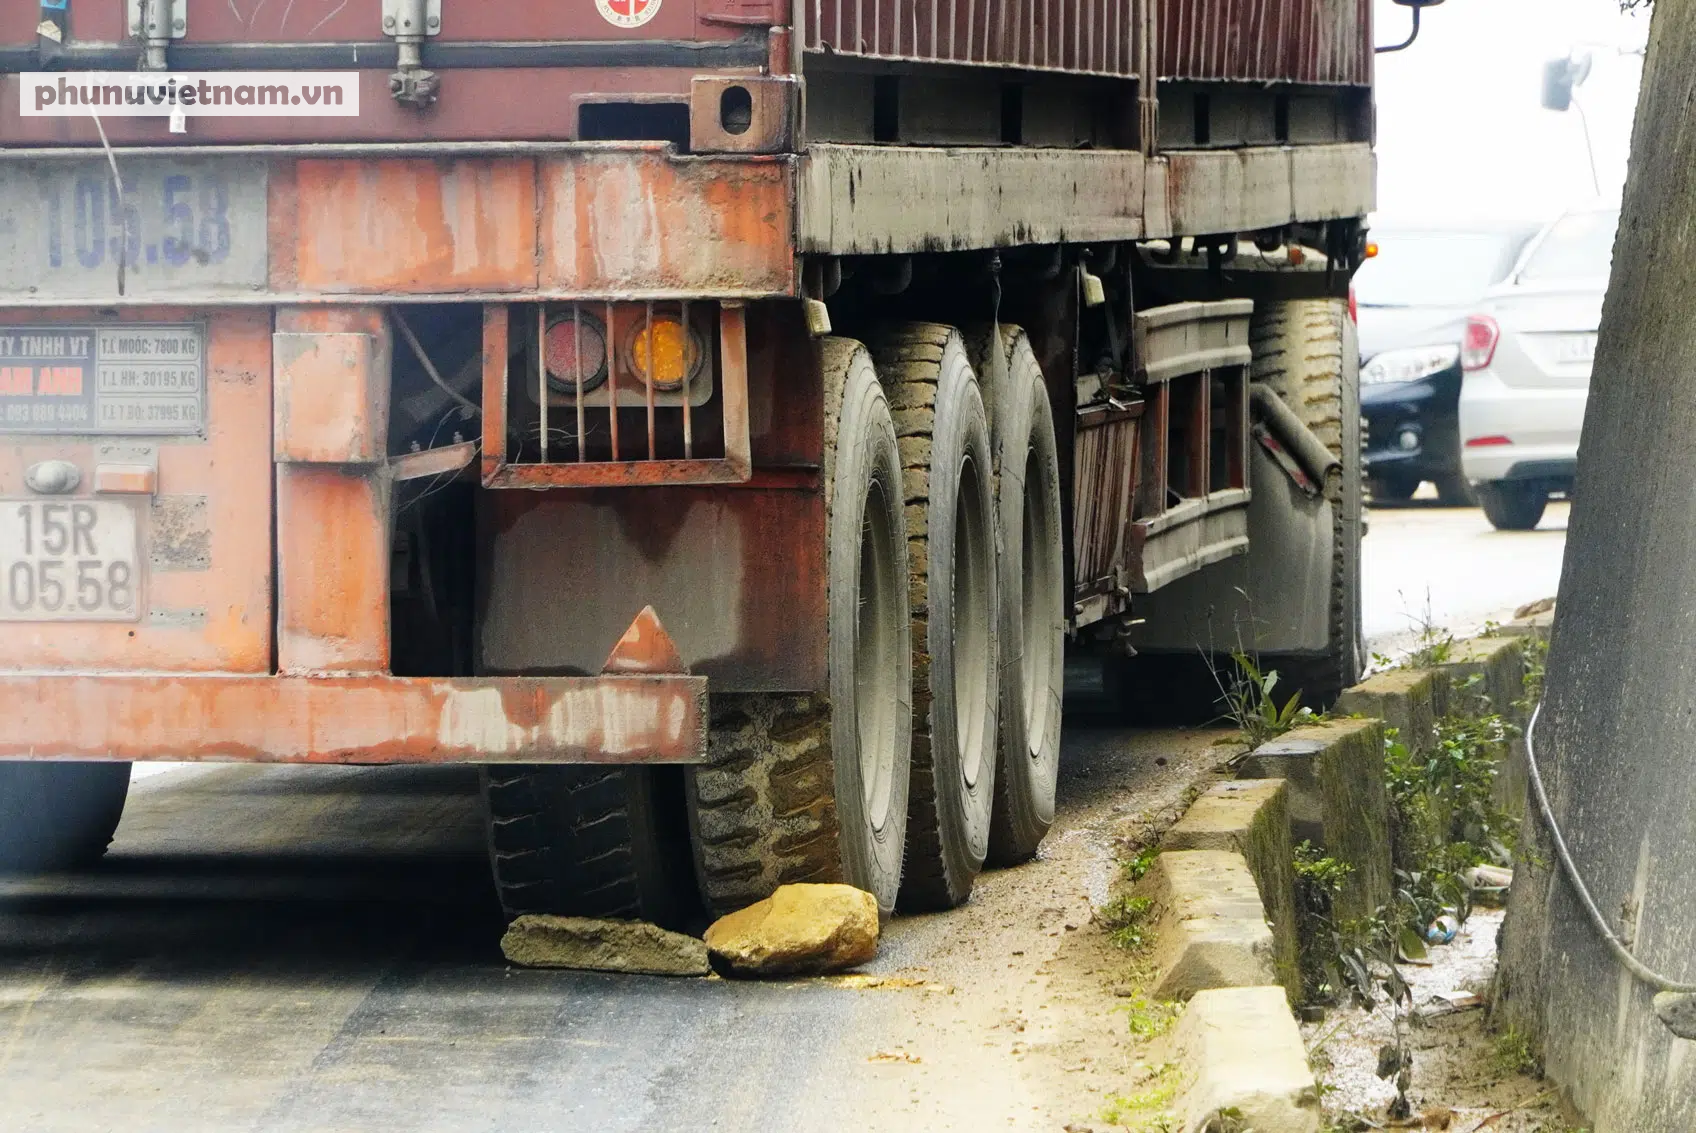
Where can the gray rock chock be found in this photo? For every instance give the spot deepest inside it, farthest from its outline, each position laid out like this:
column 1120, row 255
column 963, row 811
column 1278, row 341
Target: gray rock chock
column 798, row 930
column 1338, row 801
column 585, row 944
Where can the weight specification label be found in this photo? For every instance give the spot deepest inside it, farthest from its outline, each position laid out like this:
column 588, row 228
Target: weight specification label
column 133, row 379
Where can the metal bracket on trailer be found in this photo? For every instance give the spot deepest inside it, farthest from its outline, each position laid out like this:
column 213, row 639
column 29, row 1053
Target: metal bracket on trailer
column 156, row 23
column 409, row 23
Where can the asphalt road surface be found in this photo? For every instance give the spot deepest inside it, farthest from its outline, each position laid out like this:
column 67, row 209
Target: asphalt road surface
column 294, row 949
column 1448, row 568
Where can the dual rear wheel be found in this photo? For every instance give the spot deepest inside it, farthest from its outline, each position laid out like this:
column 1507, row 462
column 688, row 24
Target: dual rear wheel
column 935, row 746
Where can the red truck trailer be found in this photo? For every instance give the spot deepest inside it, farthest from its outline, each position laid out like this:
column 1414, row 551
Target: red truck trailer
column 717, row 419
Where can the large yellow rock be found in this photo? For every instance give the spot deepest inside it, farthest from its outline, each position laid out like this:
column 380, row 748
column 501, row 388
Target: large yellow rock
column 799, row 930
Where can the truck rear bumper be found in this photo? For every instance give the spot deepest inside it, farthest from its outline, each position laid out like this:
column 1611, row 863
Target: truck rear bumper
column 612, row 718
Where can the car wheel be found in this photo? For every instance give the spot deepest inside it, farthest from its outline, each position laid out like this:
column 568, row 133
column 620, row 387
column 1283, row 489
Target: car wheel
column 1454, row 491
column 1511, row 505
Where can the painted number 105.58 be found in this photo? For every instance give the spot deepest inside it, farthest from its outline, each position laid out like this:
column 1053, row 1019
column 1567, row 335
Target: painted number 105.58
column 175, row 221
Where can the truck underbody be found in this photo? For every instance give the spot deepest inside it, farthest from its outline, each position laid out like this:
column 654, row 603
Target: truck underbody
column 767, row 391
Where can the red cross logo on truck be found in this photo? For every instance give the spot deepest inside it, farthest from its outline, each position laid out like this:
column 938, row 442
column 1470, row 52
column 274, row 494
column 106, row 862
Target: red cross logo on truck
column 628, row 13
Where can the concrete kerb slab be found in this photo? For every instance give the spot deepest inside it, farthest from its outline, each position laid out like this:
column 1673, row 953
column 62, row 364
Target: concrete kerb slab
column 1236, row 1047
column 1239, row 1050
column 1209, row 924
column 1252, row 818
column 1337, row 801
column 1486, row 674
column 1408, row 700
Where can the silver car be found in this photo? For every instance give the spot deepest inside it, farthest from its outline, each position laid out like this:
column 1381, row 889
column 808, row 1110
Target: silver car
column 1526, row 359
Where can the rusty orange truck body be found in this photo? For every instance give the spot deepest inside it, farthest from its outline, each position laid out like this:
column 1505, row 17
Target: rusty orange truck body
column 714, row 417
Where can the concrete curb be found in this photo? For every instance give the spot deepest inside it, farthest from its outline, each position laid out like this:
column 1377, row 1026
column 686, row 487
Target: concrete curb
column 1225, row 869
column 1337, row 800
column 1484, row 674
column 1252, row 818
column 1209, row 925
column 1408, row 700
column 1240, row 1051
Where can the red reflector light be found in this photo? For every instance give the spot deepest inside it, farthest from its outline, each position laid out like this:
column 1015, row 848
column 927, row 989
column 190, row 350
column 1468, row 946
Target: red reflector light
column 573, row 341
column 1354, row 307
column 1478, row 343
column 1485, row 442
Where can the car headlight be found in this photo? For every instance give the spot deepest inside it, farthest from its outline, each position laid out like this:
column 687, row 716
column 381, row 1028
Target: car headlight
column 1409, row 365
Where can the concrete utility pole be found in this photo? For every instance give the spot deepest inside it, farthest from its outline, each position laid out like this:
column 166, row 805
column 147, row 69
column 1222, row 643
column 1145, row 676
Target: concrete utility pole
column 1617, row 737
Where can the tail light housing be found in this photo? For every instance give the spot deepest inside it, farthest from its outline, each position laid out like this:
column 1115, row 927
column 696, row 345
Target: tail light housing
column 1478, row 342
column 576, row 352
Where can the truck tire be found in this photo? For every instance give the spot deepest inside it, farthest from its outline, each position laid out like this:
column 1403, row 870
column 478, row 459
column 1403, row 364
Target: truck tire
column 588, row 841
column 58, row 816
column 1031, row 595
column 948, row 467
column 1305, row 350
column 814, row 788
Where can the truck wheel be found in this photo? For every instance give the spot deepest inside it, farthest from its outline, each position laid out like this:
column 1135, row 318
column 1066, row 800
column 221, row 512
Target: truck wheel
column 1305, row 350
column 1511, row 505
column 58, row 816
column 1031, row 597
column 810, row 788
column 949, row 477
column 587, row 841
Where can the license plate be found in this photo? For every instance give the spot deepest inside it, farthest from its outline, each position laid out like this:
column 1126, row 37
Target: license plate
column 189, row 226
column 1575, row 349
column 69, row 561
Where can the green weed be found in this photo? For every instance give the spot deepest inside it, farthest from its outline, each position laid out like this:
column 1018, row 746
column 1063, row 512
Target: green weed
column 1137, row 868
column 1128, row 921
column 1514, row 1053
column 1149, row 1018
column 1145, row 1111
column 1251, row 705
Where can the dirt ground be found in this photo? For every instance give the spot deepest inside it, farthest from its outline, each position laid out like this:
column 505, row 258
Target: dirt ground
column 1024, row 1021
column 1466, row 1078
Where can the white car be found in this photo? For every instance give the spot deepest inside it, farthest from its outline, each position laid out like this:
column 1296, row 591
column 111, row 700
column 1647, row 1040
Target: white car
column 1526, row 359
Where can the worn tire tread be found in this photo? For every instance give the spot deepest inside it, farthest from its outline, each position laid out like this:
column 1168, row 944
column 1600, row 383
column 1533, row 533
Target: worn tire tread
column 1298, row 349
